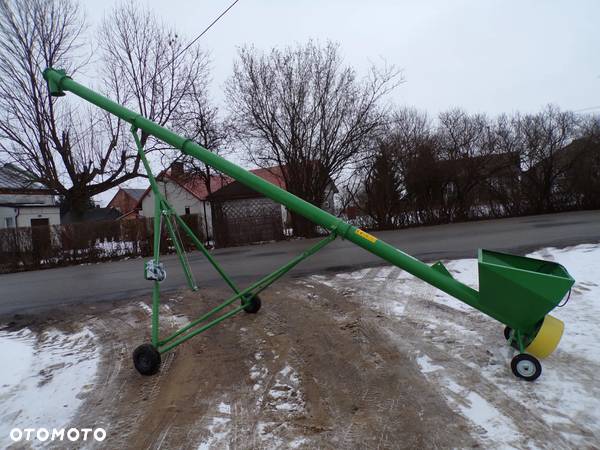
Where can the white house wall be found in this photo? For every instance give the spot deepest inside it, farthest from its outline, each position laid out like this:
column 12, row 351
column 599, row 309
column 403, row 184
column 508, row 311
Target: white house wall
column 41, row 212
column 179, row 198
column 22, row 216
column 6, row 212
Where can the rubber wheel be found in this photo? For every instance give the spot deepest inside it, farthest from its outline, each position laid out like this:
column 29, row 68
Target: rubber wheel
column 253, row 306
column 146, row 359
column 526, row 367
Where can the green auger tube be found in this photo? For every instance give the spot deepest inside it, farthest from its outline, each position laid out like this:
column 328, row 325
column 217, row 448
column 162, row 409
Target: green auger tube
column 517, row 291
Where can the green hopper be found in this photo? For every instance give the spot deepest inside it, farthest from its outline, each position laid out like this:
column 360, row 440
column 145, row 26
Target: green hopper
column 517, row 291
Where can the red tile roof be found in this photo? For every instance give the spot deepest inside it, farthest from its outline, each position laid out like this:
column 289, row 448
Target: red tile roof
column 272, row 175
column 195, row 185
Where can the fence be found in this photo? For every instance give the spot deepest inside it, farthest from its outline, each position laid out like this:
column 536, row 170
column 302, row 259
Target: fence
column 239, row 222
column 87, row 242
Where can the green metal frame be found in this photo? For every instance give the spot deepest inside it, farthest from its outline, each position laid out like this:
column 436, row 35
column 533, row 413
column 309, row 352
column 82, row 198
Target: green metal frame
column 162, row 209
column 516, row 291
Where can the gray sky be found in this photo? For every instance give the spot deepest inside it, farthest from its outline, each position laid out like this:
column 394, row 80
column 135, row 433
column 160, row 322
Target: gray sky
column 484, row 55
column 489, row 56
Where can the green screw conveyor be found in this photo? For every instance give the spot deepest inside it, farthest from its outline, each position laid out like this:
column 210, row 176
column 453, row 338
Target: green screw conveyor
column 517, row 291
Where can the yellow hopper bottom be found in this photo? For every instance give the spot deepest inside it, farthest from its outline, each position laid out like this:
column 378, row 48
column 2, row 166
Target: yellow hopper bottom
column 547, row 338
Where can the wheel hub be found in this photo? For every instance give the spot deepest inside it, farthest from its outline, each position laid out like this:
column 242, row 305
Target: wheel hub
column 526, row 368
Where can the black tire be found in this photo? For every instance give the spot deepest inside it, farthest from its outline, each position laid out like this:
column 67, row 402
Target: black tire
column 526, row 367
column 253, row 306
column 507, row 331
column 146, row 359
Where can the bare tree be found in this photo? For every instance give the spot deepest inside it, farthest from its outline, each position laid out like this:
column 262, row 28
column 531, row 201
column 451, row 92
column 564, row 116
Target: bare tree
column 383, row 189
column 383, row 194
column 408, row 134
column 408, row 129
column 303, row 109
column 500, row 175
column 71, row 151
column 542, row 137
column 583, row 155
column 462, row 139
column 146, row 68
column 199, row 120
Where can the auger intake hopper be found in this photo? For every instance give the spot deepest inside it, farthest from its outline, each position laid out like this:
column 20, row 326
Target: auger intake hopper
column 520, row 291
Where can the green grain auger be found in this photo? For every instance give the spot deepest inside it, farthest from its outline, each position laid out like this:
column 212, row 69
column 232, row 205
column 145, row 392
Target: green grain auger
column 516, row 291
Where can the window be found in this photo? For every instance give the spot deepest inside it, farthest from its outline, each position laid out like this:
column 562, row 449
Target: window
column 9, row 222
column 187, row 210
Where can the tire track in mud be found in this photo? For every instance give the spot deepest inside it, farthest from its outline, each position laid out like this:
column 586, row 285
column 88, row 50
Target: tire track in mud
column 372, row 390
column 457, row 378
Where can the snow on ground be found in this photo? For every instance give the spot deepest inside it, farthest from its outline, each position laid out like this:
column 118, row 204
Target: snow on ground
column 45, row 378
column 278, row 397
column 218, row 433
column 166, row 315
column 463, row 354
column 115, row 248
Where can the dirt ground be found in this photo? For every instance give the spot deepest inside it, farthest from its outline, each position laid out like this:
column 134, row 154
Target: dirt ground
column 317, row 367
column 302, row 373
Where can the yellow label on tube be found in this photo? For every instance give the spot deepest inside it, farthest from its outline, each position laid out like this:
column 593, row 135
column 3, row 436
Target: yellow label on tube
column 369, row 237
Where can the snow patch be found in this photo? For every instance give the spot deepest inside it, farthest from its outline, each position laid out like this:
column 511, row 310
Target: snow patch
column 224, row 408
column 47, row 379
column 426, row 365
column 218, row 430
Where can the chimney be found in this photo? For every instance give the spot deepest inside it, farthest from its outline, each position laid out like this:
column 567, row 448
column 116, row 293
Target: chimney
column 177, row 169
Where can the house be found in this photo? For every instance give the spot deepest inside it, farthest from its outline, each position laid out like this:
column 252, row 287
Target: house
column 185, row 192
column 566, row 179
column 485, row 175
column 125, row 201
column 242, row 215
column 461, row 183
column 23, row 202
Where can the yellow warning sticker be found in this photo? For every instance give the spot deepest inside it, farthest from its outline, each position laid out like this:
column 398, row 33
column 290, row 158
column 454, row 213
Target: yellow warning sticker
column 369, row 237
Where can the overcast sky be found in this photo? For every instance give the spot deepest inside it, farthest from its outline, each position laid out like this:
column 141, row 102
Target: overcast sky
column 488, row 56
column 484, row 55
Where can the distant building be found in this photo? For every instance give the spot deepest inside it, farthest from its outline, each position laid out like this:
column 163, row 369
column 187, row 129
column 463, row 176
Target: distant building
column 569, row 178
column 25, row 203
column 125, row 201
column 91, row 215
column 434, row 182
column 242, row 215
column 187, row 194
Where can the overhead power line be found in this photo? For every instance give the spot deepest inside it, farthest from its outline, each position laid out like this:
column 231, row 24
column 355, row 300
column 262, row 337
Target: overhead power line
column 182, row 51
column 590, row 108
column 206, row 29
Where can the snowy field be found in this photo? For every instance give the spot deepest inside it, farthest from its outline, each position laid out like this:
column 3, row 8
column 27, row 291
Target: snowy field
column 44, row 379
column 463, row 354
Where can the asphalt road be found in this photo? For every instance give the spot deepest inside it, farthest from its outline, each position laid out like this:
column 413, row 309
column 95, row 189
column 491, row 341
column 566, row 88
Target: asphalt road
column 27, row 291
